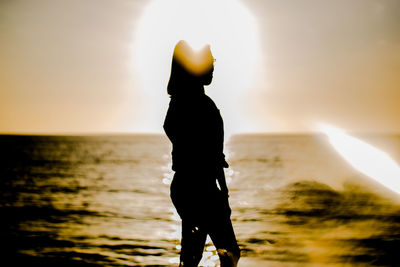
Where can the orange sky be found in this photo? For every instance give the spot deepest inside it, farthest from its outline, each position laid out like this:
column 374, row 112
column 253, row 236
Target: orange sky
column 66, row 67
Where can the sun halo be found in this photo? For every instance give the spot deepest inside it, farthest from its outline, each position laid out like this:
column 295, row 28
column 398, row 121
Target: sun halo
column 226, row 25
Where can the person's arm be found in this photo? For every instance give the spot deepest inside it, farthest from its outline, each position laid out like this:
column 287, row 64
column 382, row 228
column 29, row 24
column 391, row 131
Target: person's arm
column 222, row 181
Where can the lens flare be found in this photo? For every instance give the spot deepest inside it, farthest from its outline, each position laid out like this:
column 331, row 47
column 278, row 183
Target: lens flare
column 365, row 158
column 227, row 26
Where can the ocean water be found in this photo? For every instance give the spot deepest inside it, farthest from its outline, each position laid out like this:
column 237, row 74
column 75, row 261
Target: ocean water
column 104, row 201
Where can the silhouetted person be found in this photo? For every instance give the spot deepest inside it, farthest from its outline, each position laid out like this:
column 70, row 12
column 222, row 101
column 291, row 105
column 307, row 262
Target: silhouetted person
column 195, row 127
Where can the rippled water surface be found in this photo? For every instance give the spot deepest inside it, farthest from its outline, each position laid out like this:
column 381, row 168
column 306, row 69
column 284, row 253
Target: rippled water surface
column 104, row 201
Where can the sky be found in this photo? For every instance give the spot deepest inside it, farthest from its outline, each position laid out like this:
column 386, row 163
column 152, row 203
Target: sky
column 81, row 66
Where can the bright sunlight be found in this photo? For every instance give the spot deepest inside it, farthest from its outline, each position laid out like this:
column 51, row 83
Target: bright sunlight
column 230, row 29
column 365, row 158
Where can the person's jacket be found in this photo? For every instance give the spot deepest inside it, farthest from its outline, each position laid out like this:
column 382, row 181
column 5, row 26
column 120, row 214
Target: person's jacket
column 195, row 128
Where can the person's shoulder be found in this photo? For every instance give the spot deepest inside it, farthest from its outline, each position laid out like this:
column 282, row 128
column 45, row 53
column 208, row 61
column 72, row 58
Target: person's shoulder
column 208, row 100
column 181, row 104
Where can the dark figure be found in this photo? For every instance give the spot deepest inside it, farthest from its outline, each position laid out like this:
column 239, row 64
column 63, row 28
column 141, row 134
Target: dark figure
column 195, row 127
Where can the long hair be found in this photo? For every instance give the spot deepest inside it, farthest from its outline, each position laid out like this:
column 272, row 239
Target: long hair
column 190, row 69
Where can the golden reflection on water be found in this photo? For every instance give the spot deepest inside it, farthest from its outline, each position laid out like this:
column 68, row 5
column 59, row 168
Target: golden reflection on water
column 336, row 227
column 297, row 203
column 277, row 221
column 106, row 202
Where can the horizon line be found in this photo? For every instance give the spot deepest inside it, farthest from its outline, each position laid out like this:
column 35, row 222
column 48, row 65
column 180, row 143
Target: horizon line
column 126, row 133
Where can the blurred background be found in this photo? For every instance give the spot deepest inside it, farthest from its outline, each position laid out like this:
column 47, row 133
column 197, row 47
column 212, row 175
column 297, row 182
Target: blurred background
column 85, row 167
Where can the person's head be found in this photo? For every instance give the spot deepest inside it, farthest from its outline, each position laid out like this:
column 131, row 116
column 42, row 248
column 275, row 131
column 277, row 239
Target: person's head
column 190, row 70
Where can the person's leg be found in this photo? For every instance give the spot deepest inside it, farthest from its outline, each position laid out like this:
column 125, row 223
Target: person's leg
column 224, row 239
column 221, row 231
column 193, row 241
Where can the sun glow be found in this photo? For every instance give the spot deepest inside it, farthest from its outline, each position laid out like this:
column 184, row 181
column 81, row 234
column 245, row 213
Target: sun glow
column 226, row 25
column 365, row 158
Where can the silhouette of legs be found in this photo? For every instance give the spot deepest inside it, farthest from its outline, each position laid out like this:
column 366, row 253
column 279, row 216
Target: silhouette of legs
column 194, row 238
column 204, row 210
column 227, row 258
column 223, row 237
column 193, row 241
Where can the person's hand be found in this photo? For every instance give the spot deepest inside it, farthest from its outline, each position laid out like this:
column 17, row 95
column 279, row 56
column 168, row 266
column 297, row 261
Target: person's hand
column 220, row 173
